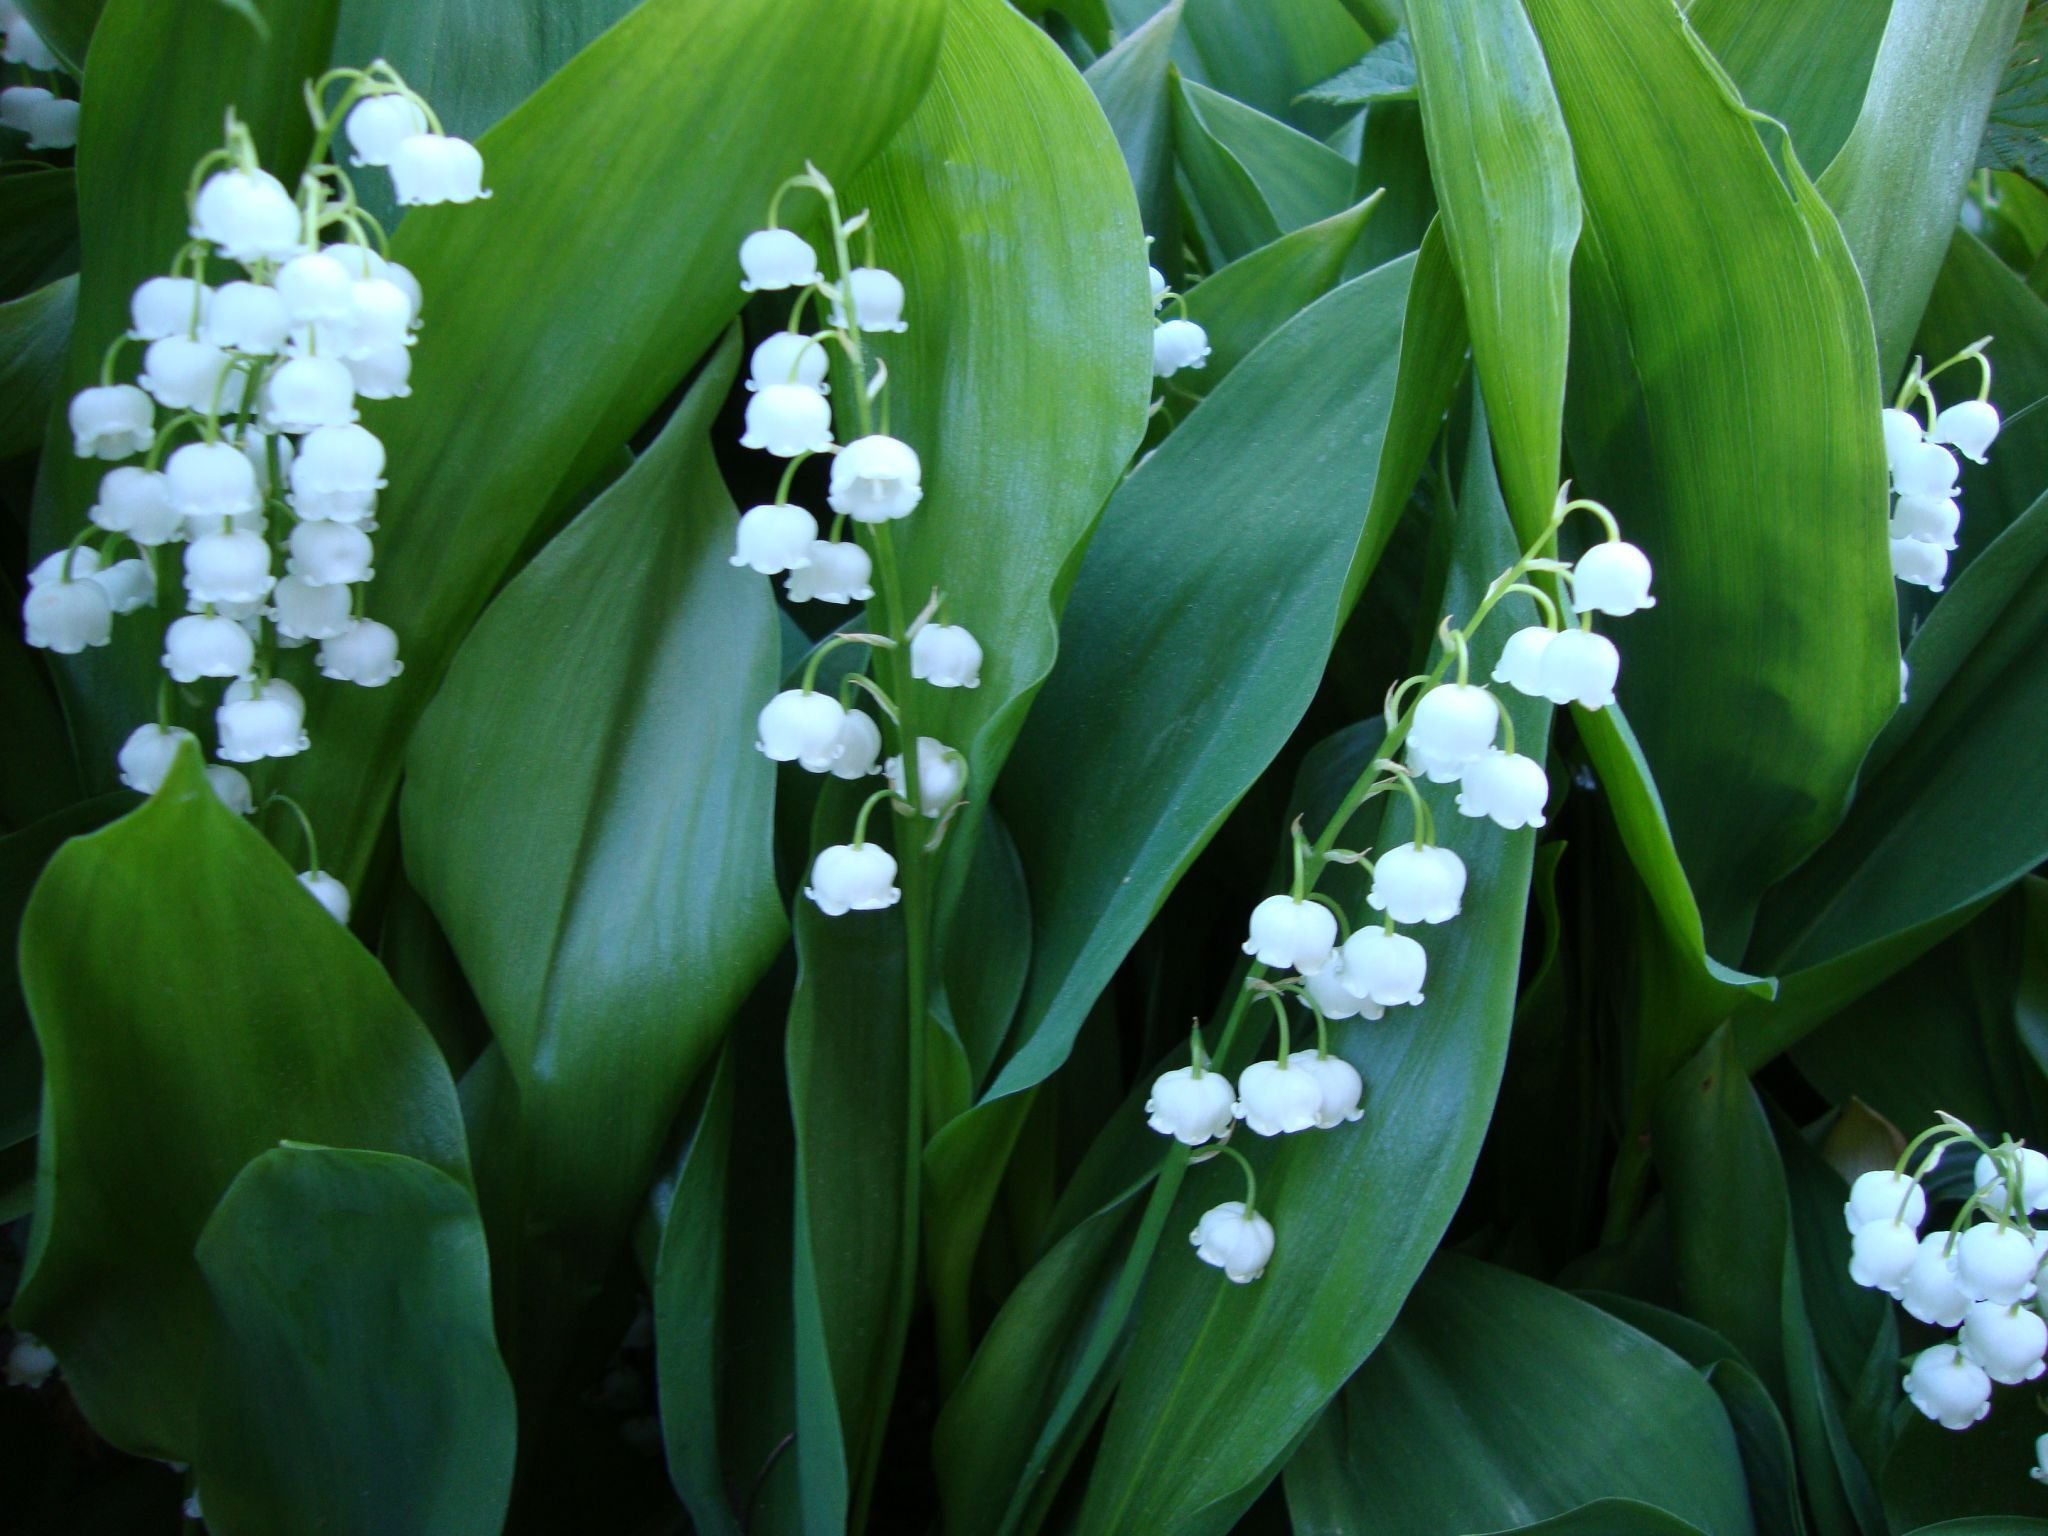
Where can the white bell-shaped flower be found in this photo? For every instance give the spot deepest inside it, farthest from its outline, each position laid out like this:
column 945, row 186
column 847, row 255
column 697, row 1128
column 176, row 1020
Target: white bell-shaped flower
column 1332, row 995
column 875, row 479
column 135, row 501
column 231, row 785
column 1919, row 564
column 853, row 877
column 362, row 261
column 259, row 448
column 2006, row 1341
column 303, row 611
column 228, row 568
column 30, row 1362
column 941, row 776
column 310, row 392
column 329, row 892
column 1521, row 660
column 1291, row 935
column 254, row 723
column 382, row 375
column 248, row 615
column 1948, row 1387
column 1579, row 667
column 1995, row 1263
column 248, row 318
column 789, row 357
column 249, row 215
column 18, row 104
column 1882, row 1195
column 347, row 459
column 129, row 585
column 1613, row 578
column 946, row 656
column 1926, row 469
column 429, row 168
column 111, row 421
column 207, row 645
column 146, row 756
column 1192, row 1107
column 1930, row 519
column 1178, row 344
column 1341, row 1086
column 315, row 287
column 803, row 728
column 74, row 564
column 2039, row 1471
column 398, row 272
column 777, row 258
column 1239, row 1245
column 25, row 46
column 366, row 654
column 1905, row 677
column 1902, row 434
column 1930, row 1291
column 1279, row 1098
column 788, row 419
column 1157, row 279
column 67, row 616
column 774, row 537
column 860, row 745
column 380, row 317
column 1507, row 787
column 327, row 554
column 2033, row 1167
column 53, row 123
column 1881, row 1255
column 1969, row 426
column 377, row 125
column 1454, row 725
column 837, row 573
column 877, row 300
column 183, row 374
column 168, row 306
column 1418, row 885
column 1385, row 969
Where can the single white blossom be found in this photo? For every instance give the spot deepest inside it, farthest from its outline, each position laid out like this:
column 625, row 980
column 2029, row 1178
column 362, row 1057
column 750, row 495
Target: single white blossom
column 802, row 727
column 1883, row 1195
column 168, row 306
column 1178, row 344
column 941, row 776
column 1995, row 1263
column 1579, row 667
column 1341, row 1086
column 184, row 374
column 1930, row 519
column 231, row 786
column 1925, row 469
column 1902, row 434
column 1613, row 578
column 111, row 421
column 129, row 585
column 1333, row 998
column 788, row 419
column 303, row 611
column 877, row 300
column 1521, row 660
column 837, row 573
column 946, row 656
column 146, row 757
column 249, row 215
column 248, row 318
column 1418, row 884
column 428, row 168
column 2007, row 1341
column 853, row 877
column 366, row 653
column 1291, row 935
column 30, row 1362
column 382, row 375
column 1881, row 1255
column 135, row 501
column 53, row 123
column 1946, row 1386
column 1385, row 969
column 1157, row 279
column 777, row 258
column 1968, row 426
column 1507, row 787
column 1240, row 1245
column 67, row 616
column 1276, row 1098
column 207, row 645
column 316, row 287
column 1930, row 1291
column 874, row 479
column 25, row 45
column 18, row 104
column 1191, row 1106
column 329, row 892
column 254, row 723
column 378, row 124
column 860, row 744
column 309, row 392
column 774, row 537
column 327, row 554
column 228, row 568
column 1454, row 725
column 1919, row 564
column 789, row 357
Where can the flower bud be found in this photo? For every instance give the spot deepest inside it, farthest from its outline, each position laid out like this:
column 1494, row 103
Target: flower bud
column 329, row 892
column 1178, row 344
column 1239, row 1245
column 853, row 877
column 1291, row 935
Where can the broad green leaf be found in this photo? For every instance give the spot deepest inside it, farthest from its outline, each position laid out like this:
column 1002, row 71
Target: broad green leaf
column 1253, row 178
column 353, row 1384
column 35, row 331
column 1134, row 85
column 1229, row 215
column 1730, row 465
column 2019, row 112
column 1974, row 1484
column 1266, row 55
column 1387, row 73
column 1806, row 65
column 1611, row 1517
column 1502, row 164
column 38, row 228
column 66, row 25
column 1496, row 1401
column 528, row 845
column 1899, row 179
column 1977, row 295
column 1393, row 156
column 240, row 1014
column 1906, row 865
column 1202, row 1421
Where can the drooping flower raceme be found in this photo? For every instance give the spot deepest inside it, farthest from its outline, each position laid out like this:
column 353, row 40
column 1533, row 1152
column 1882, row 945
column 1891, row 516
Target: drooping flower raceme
column 1924, row 472
column 242, row 411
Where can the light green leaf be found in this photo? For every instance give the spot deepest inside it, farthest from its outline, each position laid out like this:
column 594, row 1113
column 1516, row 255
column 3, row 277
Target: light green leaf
column 1899, row 179
column 1807, row 65
column 528, row 845
column 241, row 1015
column 1496, row 1401
column 353, row 1387
column 1387, row 73
column 1289, row 179
column 1266, row 55
column 1134, row 85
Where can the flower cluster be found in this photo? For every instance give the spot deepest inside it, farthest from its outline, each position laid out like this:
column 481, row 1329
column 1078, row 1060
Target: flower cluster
column 1456, row 733
column 280, row 313
column 1178, row 343
column 1924, row 472
column 1977, row 1275
column 49, row 120
column 876, row 480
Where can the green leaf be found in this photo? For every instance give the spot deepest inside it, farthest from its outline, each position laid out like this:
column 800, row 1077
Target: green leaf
column 1134, row 86
column 1729, row 466
column 1266, row 55
column 1387, row 73
column 1254, row 177
column 528, row 845
column 1899, row 179
column 35, row 331
column 1907, row 865
column 1202, row 1421
column 240, row 1015
column 66, row 25
column 1974, row 1484
column 1806, row 65
column 38, row 228
column 1393, row 156
column 1496, row 1401
column 353, row 1385
column 2019, row 112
